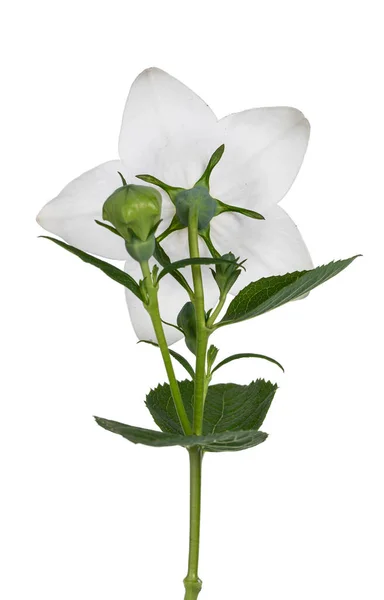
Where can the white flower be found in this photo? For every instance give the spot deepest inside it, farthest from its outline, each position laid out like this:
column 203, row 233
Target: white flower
column 170, row 133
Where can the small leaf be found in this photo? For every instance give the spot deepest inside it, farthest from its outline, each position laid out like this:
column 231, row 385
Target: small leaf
column 211, row 357
column 179, row 264
column 214, row 442
column 245, row 355
column 112, row 272
column 163, row 259
column 183, row 361
column 271, row 292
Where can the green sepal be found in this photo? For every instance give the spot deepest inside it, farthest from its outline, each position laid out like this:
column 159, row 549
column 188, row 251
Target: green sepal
column 112, row 272
column 214, row 442
column 186, row 262
column 228, row 407
column 109, row 227
column 179, row 357
column 123, row 180
column 222, row 208
column 169, row 189
column 245, row 355
column 215, row 158
column 271, row 292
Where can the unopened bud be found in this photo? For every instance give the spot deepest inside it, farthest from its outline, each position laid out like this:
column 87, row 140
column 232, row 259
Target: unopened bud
column 186, row 320
column 134, row 210
column 226, row 274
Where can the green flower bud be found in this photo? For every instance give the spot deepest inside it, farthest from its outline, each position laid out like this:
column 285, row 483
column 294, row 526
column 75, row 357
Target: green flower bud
column 200, row 199
column 134, row 210
column 186, row 320
column 226, row 274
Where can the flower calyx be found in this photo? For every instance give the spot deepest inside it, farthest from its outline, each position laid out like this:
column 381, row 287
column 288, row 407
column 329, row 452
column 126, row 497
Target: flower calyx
column 197, row 198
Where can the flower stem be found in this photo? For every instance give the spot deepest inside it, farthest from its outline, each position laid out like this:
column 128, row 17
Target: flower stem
column 192, row 582
column 202, row 332
column 217, row 311
column 154, row 313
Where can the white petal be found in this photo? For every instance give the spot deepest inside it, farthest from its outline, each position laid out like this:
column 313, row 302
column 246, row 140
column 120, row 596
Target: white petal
column 172, row 296
column 167, row 130
column 264, row 149
column 271, row 247
column 71, row 215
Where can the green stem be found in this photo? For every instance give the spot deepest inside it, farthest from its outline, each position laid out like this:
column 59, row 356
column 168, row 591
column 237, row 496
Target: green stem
column 217, row 310
column 192, row 582
column 153, row 310
column 202, row 333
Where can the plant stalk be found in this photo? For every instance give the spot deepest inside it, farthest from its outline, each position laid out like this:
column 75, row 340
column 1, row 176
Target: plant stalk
column 202, row 332
column 192, row 582
column 154, row 313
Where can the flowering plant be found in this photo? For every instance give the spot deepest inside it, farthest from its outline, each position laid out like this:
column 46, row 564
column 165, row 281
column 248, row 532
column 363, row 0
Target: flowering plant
column 192, row 208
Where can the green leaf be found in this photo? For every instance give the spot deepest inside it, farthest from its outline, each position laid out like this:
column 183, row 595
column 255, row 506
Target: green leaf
column 214, row 442
column 211, row 356
column 112, row 272
column 179, row 264
column 183, row 361
column 163, row 259
column 271, row 292
column 245, row 355
column 228, row 407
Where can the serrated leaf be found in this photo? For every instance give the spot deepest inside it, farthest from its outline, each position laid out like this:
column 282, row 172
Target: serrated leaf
column 245, row 355
column 180, row 264
column 181, row 359
column 110, row 270
column 214, row 442
column 228, row 407
column 271, row 292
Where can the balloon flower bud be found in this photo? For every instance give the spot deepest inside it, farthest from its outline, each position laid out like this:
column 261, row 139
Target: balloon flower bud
column 134, row 211
column 186, row 320
column 226, row 274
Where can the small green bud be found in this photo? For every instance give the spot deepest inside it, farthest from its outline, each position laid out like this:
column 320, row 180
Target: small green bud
column 186, row 320
column 226, row 274
column 134, row 210
column 200, row 199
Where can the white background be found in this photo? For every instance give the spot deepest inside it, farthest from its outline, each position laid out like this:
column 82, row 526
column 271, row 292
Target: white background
column 86, row 515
